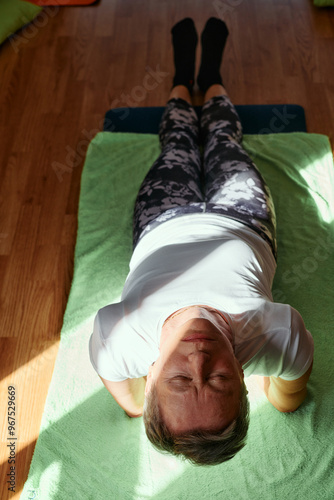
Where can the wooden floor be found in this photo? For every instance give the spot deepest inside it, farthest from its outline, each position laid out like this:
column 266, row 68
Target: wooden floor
column 57, row 79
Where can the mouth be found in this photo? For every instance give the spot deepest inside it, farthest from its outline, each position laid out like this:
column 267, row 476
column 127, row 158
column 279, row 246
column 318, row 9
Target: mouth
column 198, row 337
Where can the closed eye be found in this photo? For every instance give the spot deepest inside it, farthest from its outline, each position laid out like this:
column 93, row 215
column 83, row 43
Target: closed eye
column 212, row 377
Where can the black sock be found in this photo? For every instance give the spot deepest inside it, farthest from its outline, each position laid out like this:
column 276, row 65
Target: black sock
column 184, row 43
column 213, row 38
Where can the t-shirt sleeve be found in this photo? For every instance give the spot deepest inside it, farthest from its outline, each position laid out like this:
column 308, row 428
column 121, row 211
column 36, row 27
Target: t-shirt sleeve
column 100, row 356
column 280, row 345
column 299, row 353
column 119, row 350
column 107, row 344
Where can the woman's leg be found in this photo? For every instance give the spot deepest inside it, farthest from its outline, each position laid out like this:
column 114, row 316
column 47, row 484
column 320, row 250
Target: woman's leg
column 174, row 180
column 233, row 185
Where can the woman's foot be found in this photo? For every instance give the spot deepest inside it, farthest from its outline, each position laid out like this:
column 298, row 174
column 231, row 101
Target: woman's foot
column 213, row 38
column 185, row 39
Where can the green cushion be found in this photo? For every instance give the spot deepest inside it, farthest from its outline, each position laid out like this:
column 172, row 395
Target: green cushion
column 14, row 14
column 323, row 3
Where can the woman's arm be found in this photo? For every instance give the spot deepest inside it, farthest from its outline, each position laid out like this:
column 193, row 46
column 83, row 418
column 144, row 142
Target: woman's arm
column 129, row 394
column 286, row 395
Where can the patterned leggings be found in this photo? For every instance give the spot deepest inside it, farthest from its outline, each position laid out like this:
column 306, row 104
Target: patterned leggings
column 229, row 183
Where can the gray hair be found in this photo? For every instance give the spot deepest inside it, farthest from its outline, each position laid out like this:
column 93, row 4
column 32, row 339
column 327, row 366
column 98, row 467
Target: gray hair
column 197, row 446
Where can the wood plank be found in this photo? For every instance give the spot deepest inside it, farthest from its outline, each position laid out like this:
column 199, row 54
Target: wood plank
column 57, row 81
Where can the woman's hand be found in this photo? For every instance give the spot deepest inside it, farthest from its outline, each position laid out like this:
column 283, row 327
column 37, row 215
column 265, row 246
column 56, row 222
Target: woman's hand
column 129, row 394
column 133, row 416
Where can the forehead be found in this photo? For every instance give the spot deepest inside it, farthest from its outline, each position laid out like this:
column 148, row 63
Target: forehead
column 207, row 410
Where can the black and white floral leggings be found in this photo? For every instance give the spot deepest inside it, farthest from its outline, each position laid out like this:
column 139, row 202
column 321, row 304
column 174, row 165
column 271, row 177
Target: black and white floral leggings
column 225, row 181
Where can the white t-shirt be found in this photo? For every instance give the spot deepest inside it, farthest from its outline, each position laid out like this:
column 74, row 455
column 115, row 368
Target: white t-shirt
column 202, row 259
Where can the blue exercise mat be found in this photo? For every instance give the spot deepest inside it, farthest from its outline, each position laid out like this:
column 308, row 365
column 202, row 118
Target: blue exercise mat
column 255, row 119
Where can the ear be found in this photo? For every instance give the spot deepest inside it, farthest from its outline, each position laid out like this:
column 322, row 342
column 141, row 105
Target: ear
column 242, row 375
column 149, row 379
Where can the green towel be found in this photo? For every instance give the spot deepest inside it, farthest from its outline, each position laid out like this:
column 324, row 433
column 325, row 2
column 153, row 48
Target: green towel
column 87, row 447
column 13, row 15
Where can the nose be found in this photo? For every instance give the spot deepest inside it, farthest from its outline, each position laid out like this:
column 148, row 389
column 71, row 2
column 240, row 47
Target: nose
column 198, row 364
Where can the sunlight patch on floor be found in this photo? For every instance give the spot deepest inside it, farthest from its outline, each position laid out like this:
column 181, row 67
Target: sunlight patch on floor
column 163, row 470
column 320, row 187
